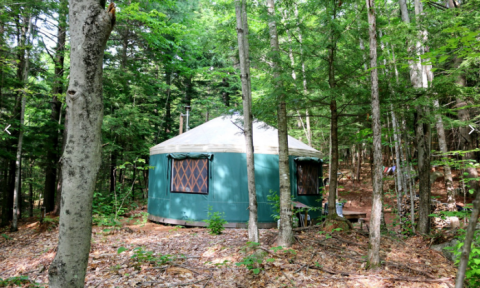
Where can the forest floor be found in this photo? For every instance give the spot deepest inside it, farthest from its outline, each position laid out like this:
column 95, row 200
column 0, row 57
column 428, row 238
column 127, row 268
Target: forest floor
column 192, row 257
column 170, row 256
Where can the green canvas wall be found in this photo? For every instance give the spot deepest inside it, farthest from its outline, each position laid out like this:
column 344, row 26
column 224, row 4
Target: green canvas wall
column 228, row 191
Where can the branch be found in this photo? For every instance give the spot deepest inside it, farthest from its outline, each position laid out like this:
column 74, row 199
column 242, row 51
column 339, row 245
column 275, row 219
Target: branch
column 48, row 52
column 237, row 126
column 436, row 5
column 321, row 116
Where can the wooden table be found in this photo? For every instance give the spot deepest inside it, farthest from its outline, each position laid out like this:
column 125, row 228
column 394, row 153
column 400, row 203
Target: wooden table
column 354, row 215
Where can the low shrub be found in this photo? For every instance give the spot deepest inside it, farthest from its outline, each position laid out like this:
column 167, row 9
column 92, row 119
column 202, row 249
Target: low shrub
column 215, row 221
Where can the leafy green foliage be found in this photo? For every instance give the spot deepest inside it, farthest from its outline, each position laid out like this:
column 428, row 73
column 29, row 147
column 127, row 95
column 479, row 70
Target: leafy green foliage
column 140, row 256
column 143, row 218
column 252, row 262
column 6, row 237
column 108, row 221
column 256, row 259
column 18, row 281
column 215, row 221
column 472, row 275
column 274, row 201
column 49, row 220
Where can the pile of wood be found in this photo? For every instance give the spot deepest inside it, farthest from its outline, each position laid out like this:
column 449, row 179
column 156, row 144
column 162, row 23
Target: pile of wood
column 438, row 222
column 435, row 206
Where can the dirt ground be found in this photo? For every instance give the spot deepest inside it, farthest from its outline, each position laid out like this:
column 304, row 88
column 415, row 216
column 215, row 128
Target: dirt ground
column 191, row 257
column 199, row 259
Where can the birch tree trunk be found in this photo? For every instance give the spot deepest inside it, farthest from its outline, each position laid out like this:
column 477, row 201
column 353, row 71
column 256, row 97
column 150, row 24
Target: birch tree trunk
column 418, row 77
column 242, row 35
column 90, row 27
column 373, row 253
column 285, row 233
column 304, row 76
column 359, row 162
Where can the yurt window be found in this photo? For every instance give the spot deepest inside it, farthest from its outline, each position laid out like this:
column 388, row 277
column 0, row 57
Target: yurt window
column 307, row 178
column 190, row 176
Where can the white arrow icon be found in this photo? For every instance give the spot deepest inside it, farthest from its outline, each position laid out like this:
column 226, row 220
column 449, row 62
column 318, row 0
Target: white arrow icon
column 473, row 129
column 7, row 130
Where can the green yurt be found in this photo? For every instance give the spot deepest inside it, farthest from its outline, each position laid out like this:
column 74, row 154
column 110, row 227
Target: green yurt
column 206, row 167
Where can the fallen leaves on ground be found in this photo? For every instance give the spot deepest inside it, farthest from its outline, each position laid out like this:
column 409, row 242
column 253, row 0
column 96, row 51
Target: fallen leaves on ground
column 198, row 259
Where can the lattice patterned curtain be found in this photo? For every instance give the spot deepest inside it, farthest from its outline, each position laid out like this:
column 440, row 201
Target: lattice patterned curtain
column 190, row 175
column 307, row 178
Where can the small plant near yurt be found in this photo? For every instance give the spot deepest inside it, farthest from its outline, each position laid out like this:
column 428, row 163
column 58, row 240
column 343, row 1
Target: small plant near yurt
column 215, row 221
column 254, row 261
column 141, row 256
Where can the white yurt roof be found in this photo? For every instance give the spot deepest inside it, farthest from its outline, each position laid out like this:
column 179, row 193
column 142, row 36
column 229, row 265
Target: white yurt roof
column 224, row 134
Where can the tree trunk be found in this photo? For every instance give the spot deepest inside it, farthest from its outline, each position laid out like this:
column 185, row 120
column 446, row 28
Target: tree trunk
column 467, row 245
column 333, row 165
column 398, row 158
column 309, row 129
column 58, row 197
column 5, row 192
column 21, row 37
column 30, row 192
column 90, row 27
column 333, row 187
column 446, row 168
column 373, row 253
column 7, row 201
column 359, row 162
column 225, row 94
column 418, row 77
column 304, row 77
column 23, row 99
column 53, row 153
column 243, row 47
column 168, row 113
column 466, row 144
column 410, row 179
column 285, row 235
column 113, row 171
column 423, row 147
column 18, row 169
column 466, row 141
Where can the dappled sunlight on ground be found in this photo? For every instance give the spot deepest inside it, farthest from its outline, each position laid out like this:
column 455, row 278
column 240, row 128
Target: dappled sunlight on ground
column 193, row 257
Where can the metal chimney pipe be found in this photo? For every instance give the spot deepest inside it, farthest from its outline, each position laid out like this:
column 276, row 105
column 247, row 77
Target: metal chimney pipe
column 187, row 108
